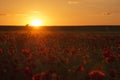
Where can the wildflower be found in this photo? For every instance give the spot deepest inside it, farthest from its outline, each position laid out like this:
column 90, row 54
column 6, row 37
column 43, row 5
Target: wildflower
column 26, row 51
column 96, row 75
column 79, row 69
column 110, row 59
column 37, row 76
column 118, row 57
column 1, row 51
column 82, row 69
column 46, row 75
column 106, row 52
column 118, row 46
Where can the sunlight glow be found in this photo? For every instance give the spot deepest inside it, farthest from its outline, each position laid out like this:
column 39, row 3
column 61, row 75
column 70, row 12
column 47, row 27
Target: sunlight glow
column 36, row 23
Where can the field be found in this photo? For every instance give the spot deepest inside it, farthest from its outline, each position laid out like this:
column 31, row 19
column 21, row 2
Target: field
column 59, row 55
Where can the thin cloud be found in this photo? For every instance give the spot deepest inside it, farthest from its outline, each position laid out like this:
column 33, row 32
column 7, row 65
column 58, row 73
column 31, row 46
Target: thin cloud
column 107, row 13
column 73, row 2
column 27, row 14
column 13, row 14
column 3, row 14
column 20, row 14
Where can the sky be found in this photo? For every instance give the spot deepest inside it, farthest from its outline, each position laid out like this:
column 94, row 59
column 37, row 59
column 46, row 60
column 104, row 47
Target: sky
column 60, row 12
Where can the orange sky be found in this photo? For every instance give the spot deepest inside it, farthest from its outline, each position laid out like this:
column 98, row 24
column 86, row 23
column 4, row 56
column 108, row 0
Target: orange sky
column 60, row 12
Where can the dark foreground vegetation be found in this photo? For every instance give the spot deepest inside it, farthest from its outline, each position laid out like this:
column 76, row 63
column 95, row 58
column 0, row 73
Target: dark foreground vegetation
column 59, row 55
column 65, row 28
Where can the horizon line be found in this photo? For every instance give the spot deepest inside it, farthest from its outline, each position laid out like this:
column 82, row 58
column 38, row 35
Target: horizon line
column 59, row 25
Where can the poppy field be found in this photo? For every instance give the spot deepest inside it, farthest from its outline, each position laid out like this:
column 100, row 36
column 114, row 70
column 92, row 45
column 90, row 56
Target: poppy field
column 58, row 55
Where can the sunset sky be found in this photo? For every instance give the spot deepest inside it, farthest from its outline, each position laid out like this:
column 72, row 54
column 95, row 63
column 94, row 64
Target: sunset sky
column 60, row 12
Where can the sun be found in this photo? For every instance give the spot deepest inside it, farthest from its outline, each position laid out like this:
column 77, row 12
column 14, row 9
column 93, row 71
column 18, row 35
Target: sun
column 36, row 23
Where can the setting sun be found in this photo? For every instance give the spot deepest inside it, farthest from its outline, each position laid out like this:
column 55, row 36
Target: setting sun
column 36, row 23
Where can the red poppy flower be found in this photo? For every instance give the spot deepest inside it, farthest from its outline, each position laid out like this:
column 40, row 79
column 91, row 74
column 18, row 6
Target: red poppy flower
column 106, row 52
column 118, row 46
column 110, row 59
column 25, row 51
column 0, row 51
column 118, row 56
column 96, row 75
column 37, row 76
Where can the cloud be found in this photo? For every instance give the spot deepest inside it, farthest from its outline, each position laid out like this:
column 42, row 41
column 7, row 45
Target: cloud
column 20, row 14
column 3, row 14
column 13, row 14
column 27, row 14
column 73, row 2
column 107, row 13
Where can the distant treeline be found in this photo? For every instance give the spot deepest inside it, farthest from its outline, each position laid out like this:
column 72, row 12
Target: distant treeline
column 63, row 28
